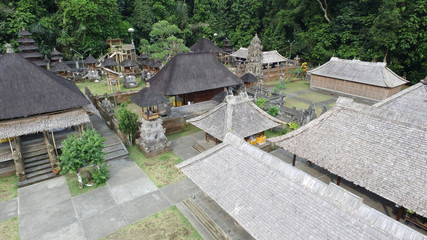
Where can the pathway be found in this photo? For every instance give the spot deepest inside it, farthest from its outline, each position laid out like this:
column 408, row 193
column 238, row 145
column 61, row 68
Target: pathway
column 46, row 210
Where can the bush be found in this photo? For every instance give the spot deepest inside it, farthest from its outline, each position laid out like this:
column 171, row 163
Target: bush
column 273, row 111
column 100, row 175
column 128, row 123
column 260, row 102
column 289, row 127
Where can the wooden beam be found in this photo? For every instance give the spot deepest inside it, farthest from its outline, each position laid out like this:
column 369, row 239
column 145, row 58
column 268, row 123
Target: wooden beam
column 54, row 144
column 10, row 144
column 293, row 160
column 338, row 180
column 399, row 213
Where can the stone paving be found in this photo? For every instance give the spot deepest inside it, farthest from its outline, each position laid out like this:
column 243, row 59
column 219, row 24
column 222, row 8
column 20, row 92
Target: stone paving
column 47, row 211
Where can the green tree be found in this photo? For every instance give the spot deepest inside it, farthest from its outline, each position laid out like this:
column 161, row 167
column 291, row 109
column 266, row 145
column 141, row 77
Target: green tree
column 128, row 123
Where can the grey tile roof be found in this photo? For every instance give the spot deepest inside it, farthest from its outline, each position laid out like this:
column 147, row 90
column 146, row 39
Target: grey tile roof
column 412, row 100
column 205, row 45
column 239, row 115
column 376, row 74
column 271, row 199
column 381, row 150
column 267, row 56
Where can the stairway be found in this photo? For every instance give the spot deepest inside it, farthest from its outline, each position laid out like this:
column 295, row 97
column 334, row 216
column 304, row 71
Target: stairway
column 36, row 160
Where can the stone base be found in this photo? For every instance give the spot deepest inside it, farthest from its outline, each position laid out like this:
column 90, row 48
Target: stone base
column 154, row 153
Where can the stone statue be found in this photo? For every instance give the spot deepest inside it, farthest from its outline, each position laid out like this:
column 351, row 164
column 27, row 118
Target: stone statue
column 19, row 164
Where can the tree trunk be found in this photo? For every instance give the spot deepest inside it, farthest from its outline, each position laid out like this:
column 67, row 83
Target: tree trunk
column 324, row 9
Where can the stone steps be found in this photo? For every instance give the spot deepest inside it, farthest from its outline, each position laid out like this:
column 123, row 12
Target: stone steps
column 209, row 224
column 30, row 162
column 43, row 165
column 36, row 179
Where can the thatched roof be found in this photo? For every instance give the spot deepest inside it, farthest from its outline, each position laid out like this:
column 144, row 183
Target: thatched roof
column 376, row 74
column 143, row 56
column 26, row 40
column 35, row 124
column 55, row 53
column 61, row 67
column 26, row 89
column 39, row 62
column 27, row 47
column 148, row 97
column 154, row 64
column 24, row 32
column 128, row 63
column 91, row 60
column 381, row 150
column 268, row 57
column 239, row 115
column 192, row 72
column 205, row 46
column 271, row 199
column 412, row 101
column 248, row 78
column 31, row 54
column 109, row 62
column 56, row 58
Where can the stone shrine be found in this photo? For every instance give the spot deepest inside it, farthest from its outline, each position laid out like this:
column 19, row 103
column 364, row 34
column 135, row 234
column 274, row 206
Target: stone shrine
column 152, row 140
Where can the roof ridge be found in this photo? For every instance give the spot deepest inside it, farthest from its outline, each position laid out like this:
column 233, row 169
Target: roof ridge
column 397, row 95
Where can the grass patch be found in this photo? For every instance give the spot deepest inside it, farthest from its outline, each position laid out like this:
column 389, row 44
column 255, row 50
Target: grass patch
column 9, row 229
column 8, row 187
column 168, row 224
column 315, row 97
column 297, row 86
column 160, row 169
column 290, row 103
column 188, row 129
column 101, row 87
column 73, row 183
column 271, row 134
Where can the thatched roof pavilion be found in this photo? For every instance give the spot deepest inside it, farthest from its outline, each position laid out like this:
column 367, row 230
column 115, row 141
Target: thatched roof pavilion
column 239, row 115
column 248, row 79
column 29, row 90
column 192, row 73
column 378, row 149
column 205, row 46
column 55, row 55
column 148, row 97
column 109, row 62
column 271, row 199
column 127, row 63
column 268, row 57
column 61, row 67
column 412, row 101
column 365, row 79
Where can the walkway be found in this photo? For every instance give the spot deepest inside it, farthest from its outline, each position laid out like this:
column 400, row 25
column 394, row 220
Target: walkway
column 46, row 210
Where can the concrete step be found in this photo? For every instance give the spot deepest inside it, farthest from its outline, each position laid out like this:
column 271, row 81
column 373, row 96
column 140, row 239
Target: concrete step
column 38, row 167
column 34, row 153
column 33, row 148
column 36, row 158
column 113, row 148
column 37, row 179
column 37, row 163
column 39, row 173
column 34, row 142
column 116, row 154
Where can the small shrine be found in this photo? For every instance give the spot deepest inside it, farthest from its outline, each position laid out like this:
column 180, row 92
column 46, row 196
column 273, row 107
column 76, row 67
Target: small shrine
column 248, row 79
column 113, row 77
column 226, row 46
column 91, row 62
column 55, row 56
column 152, row 140
column 129, row 73
column 61, row 69
column 254, row 59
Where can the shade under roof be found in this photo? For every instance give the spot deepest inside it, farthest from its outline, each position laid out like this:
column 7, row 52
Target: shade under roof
column 26, row 89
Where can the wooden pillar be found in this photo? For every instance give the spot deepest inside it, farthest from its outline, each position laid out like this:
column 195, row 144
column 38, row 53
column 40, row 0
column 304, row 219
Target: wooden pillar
column 338, row 180
column 10, row 144
column 54, row 143
column 293, row 160
column 50, row 151
column 18, row 160
column 399, row 213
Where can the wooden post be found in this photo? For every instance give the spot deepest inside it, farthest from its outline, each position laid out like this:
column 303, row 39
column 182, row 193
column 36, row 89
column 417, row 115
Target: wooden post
column 293, row 160
column 338, row 180
column 206, row 136
column 399, row 213
column 10, row 144
column 54, row 144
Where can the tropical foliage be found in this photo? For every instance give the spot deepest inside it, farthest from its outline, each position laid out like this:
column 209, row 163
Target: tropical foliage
column 128, row 123
column 394, row 31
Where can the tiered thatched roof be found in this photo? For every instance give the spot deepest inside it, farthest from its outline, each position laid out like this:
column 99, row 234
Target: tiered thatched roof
column 148, row 97
column 271, row 199
column 239, row 115
column 27, row 90
column 192, row 72
column 268, row 57
column 205, row 46
column 381, row 150
column 376, row 74
column 412, row 101
column 55, row 55
column 91, row 60
column 61, row 67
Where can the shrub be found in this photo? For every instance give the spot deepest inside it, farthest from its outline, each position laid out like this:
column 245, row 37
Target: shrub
column 273, row 111
column 260, row 102
column 100, row 175
column 128, row 123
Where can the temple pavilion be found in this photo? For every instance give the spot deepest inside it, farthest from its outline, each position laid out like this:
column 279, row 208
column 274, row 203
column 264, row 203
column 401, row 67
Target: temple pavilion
column 193, row 77
column 238, row 115
column 35, row 100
